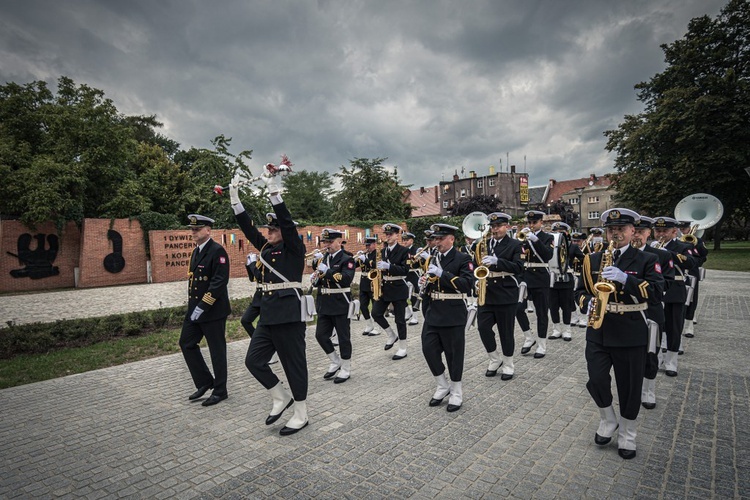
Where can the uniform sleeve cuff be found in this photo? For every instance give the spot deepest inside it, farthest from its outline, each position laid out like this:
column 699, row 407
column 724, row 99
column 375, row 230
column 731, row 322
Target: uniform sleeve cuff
column 238, row 208
column 276, row 199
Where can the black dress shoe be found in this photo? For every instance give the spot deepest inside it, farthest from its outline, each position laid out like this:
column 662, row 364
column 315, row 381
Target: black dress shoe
column 490, row 373
column 567, row 339
column 200, row 392
column 538, row 355
column 525, row 350
column 649, row 406
column 214, row 399
column 273, row 418
column 689, row 335
column 396, row 357
column 680, row 352
column 601, row 440
column 389, row 346
column 340, row 380
column 506, row 376
column 436, row 402
column 671, row 373
column 451, row 408
column 626, row 454
column 288, row 431
column 329, row 375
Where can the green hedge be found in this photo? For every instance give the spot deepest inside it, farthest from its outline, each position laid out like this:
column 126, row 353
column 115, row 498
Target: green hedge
column 37, row 338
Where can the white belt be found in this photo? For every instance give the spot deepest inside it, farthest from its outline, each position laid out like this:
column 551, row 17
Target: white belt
column 616, row 307
column 414, row 270
column 267, row 287
column 330, row 291
column 679, row 278
column 447, row 296
column 536, row 264
column 499, row 274
column 393, row 278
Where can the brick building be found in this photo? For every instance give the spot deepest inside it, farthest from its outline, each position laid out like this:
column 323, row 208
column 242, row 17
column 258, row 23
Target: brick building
column 510, row 187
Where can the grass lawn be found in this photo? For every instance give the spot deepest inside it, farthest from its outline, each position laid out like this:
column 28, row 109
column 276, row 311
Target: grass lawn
column 733, row 256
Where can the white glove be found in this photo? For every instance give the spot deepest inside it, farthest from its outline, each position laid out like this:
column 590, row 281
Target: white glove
column 654, row 243
column 424, row 256
column 383, row 265
column 435, row 270
column 532, row 237
column 234, row 189
column 422, row 280
column 251, row 259
column 613, row 273
column 362, row 257
column 196, row 313
column 322, row 268
column 590, row 307
column 489, row 260
column 317, row 255
column 273, row 182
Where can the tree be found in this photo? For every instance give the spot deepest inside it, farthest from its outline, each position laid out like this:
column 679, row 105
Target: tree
column 477, row 203
column 561, row 208
column 694, row 134
column 308, row 195
column 369, row 192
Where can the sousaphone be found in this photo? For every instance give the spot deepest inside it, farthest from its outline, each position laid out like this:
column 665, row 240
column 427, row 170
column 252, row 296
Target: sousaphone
column 704, row 210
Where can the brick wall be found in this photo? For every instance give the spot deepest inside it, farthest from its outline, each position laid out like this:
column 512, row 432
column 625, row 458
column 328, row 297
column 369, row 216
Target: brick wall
column 38, row 272
column 112, row 253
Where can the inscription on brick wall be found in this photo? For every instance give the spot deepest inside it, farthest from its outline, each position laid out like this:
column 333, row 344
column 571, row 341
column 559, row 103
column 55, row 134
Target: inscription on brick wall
column 177, row 250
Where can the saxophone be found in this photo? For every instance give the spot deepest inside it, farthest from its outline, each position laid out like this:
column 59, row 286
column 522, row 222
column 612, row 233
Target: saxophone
column 376, row 277
column 603, row 288
column 481, row 272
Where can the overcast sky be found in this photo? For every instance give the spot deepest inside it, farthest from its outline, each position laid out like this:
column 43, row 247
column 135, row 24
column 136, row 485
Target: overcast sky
column 434, row 86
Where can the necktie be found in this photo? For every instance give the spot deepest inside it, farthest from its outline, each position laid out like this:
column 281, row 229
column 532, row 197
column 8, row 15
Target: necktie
column 617, row 255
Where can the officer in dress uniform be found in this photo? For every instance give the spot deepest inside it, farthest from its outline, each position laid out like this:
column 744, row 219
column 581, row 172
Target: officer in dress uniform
column 655, row 311
column 407, row 240
column 665, row 233
column 621, row 340
column 281, row 327
column 450, row 275
column 504, row 260
column 578, row 241
column 393, row 270
column 366, row 261
column 207, row 311
column 700, row 253
column 538, row 251
column 333, row 278
column 561, row 291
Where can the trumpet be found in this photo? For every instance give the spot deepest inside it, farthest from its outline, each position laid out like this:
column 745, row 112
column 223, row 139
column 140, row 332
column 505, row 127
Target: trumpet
column 308, row 255
column 521, row 235
column 690, row 236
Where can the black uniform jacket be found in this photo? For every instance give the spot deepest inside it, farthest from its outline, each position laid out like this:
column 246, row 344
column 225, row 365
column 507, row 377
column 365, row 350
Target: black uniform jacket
column 538, row 277
column 288, row 258
column 509, row 253
column 365, row 284
column 644, row 284
column 340, row 274
column 457, row 278
column 683, row 261
column 656, row 311
column 207, row 282
column 395, row 289
column 700, row 253
column 253, row 272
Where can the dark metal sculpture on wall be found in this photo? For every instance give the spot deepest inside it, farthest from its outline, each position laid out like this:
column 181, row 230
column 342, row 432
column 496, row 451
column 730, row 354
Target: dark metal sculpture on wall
column 114, row 262
column 37, row 262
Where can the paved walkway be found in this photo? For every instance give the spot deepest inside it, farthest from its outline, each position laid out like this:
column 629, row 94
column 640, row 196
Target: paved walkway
column 129, row 431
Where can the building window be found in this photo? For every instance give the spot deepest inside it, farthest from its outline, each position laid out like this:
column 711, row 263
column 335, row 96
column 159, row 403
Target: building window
column 480, row 183
column 573, row 201
column 593, row 215
column 445, row 204
column 593, row 199
column 491, row 182
column 463, row 193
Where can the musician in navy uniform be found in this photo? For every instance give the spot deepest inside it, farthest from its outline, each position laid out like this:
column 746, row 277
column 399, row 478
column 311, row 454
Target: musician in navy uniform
column 281, row 327
column 621, row 340
column 665, row 233
column 333, row 279
column 575, row 255
column 407, row 240
column 504, row 260
column 450, row 275
column 393, row 269
column 655, row 311
column 207, row 311
column 538, row 249
column 366, row 261
column 700, row 254
column 561, row 291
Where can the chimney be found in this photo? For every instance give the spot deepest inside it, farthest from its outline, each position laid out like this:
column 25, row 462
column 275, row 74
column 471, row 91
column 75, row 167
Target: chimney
column 421, row 190
column 437, row 200
column 552, row 182
column 512, row 169
column 455, row 176
column 472, row 174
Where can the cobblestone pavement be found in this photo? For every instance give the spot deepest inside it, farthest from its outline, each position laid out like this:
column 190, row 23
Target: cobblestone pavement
column 129, row 431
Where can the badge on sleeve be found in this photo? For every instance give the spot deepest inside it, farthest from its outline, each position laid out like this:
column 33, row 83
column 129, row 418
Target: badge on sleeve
column 658, row 267
column 471, row 266
column 350, row 265
column 671, row 264
column 222, row 260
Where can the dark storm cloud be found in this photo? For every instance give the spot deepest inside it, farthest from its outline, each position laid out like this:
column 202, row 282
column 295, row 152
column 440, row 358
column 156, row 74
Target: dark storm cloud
column 432, row 85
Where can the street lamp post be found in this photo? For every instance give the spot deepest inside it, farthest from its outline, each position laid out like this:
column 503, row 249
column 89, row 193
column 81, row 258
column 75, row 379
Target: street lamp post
column 579, row 192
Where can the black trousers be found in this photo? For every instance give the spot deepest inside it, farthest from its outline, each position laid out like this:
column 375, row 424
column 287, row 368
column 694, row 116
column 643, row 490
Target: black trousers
column 399, row 312
column 501, row 315
column 451, row 341
column 540, row 298
column 190, row 337
column 690, row 311
column 324, row 330
column 288, row 340
column 675, row 320
column 629, row 364
column 364, row 303
column 561, row 298
column 251, row 314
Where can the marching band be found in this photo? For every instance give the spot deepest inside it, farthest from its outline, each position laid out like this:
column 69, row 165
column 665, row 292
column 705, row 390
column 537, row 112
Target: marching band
column 627, row 287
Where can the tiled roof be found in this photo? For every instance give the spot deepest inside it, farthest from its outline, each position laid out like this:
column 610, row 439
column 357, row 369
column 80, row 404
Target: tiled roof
column 536, row 195
column 558, row 188
column 425, row 202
